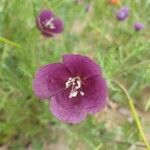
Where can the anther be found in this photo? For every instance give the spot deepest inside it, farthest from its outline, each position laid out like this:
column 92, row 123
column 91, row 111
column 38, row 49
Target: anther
column 81, row 93
column 49, row 23
column 75, row 84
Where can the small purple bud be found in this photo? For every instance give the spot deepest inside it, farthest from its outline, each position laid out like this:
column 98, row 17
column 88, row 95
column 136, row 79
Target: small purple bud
column 138, row 26
column 49, row 24
column 123, row 13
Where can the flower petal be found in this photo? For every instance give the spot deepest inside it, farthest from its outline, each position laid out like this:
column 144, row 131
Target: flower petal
column 45, row 15
column 47, row 33
column 59, row 26
column 58, row 23
column 50, row 79
column 81, row 65
column 95, row 94
column 71, row 114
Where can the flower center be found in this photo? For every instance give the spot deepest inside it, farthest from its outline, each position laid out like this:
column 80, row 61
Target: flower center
column 75, row 84
column 49, row 23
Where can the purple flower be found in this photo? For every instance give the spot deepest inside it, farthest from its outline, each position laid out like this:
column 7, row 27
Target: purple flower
column 123, row 13
column 138, row 26
column 49, row 24
column 76, row 87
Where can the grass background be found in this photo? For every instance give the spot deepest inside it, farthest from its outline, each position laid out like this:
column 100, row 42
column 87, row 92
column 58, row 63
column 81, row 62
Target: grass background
column 124, row 55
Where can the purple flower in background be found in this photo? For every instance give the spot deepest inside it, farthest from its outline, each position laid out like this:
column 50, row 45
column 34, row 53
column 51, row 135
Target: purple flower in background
column 138, row 26
column 49, row 24
column 123, row 13
column 76, row 87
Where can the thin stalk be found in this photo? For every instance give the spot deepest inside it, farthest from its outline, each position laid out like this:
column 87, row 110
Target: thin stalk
column 98, row 147
column 6, row 41
column 134, row 113
column 108, row 140
column 145, row 62
column 147, row 105
column 47, row 3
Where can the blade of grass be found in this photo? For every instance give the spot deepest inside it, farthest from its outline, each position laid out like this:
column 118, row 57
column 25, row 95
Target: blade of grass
column 6, row 41
column 47, row 3
column 137, row 65
column 108, row 140
column 98, row 147
column 134, row 113
column 147, row 106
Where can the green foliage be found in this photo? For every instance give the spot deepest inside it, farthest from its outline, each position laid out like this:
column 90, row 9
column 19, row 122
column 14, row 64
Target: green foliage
column 122, row 53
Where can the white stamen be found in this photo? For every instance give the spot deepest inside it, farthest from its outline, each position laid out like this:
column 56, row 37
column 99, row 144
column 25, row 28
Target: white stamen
column 73, row 94
column 68, row 83
column 78, row 85
column 81, row 93
column 75, row 84
column 49, row 23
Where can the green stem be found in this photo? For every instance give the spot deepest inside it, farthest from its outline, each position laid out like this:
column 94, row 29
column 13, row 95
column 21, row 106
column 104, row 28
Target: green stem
column 4, row 40
column 134, row 113
column 108, row 140
column 47, row 3
column 98, row 147
column 145, row 62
